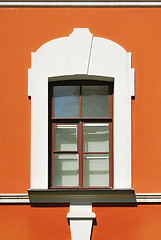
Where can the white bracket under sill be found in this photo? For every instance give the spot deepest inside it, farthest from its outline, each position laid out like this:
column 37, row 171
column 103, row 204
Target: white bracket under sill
column 81, row 219
column 81, row 225
column 81, row 215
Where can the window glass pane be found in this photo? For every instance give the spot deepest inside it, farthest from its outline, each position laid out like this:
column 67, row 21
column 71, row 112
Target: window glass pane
column 65, row 170
column 96, row 170
column 95, row 137
column 66, row 101
column 66, row 137
column 95, row 101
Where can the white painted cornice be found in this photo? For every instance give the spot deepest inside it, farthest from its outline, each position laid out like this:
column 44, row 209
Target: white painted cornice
column 69, row 4
column 24, row 198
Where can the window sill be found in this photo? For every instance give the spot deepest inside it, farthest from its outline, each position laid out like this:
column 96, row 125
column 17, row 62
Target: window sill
column 82, row 195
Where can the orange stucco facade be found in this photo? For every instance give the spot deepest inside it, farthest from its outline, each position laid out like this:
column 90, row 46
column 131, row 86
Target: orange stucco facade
column 24, row 30
column 141, row 222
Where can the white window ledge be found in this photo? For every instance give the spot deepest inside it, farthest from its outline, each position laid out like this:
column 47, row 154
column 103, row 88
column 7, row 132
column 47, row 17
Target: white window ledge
column 82, row 196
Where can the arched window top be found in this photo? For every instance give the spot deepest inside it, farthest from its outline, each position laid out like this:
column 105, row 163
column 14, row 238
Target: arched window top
column 81, row 56
column 79, row 32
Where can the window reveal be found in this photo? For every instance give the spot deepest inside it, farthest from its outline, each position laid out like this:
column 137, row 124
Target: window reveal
column 80, row 119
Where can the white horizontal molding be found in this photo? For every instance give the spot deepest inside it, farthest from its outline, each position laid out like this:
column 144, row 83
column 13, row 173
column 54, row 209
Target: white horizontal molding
column 14, row 198
column 148, row 197
column 79, row 4
column 24, row 198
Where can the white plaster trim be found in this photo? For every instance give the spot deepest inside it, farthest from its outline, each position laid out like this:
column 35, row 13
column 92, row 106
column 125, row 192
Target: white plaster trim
column 24, row 198
column 14, row 198
column 80, row 51
column 81, row 215
column 80, row 4
column 85, row 56
column 148, row 197
column 86, row 208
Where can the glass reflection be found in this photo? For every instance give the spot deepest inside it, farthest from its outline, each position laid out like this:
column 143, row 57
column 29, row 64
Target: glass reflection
column 95, row 101
column 66, row 101
column 65, row 170
column 96, row 170
column 66, row 137
column 95, row 137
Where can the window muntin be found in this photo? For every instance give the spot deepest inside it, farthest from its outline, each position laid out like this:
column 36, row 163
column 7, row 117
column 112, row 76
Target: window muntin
column 81, row 153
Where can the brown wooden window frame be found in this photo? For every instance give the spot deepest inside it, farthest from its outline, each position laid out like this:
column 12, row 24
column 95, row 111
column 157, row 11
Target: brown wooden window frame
column 79, row 122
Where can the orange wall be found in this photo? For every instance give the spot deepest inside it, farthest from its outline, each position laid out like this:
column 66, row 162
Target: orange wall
column 113, row 223
column 34, row 223
column 127, row 223
column 24, row 30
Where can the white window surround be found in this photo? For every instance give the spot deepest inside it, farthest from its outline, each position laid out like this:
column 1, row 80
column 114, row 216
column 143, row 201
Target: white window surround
column 81, row 56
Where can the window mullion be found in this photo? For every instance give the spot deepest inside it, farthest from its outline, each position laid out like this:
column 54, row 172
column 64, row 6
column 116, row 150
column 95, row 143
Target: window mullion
column 111, row 138
column 110, row 104
column 53, row 137
column 110, row 154
column 80, row 149
column 80, row 101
